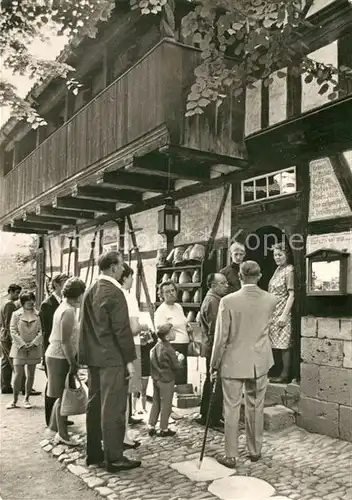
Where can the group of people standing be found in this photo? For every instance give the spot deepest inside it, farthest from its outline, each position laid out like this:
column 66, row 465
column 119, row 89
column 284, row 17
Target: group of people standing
column 240, row 322
column 242, row 325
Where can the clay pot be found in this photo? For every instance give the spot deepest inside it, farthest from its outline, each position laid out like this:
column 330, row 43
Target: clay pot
column 186, row 255
column 184, row 278
column 191, row 317
column 196, row 276
column 186, row 296
column 197, row 297
column 166, row 277
column 197, row 253
column 178, row 256
column 174, row 277
column 170, row 257
column 161, row 257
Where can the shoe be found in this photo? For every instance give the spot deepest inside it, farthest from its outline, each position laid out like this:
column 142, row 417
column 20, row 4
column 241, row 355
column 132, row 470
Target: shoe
column 70, row 422
column 33, row 393
column 27, row 405
column 200, row 420
column 135, row 421
column 12, row 405
column 59, row 440
column 95, row 461
column 134, row 446
column 217, row 426
column 229, row 462
column 168, row 433
column 7, row 390
column 123, row 464
column 152, row 431
column 254, row 458
column 279, row 380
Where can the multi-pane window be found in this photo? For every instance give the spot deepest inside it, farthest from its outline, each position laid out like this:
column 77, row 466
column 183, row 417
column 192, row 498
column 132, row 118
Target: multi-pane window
column 270, row 185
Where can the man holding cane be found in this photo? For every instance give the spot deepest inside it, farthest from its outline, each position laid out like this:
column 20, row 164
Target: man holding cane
column 242, row 355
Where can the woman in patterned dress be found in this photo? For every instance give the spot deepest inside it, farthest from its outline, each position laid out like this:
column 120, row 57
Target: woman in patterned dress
column 280, row 330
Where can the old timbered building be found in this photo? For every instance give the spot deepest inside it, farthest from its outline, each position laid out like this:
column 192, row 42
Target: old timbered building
column 122, row 146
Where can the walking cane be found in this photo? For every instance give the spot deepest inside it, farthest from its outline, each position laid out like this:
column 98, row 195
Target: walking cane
column 212, row 397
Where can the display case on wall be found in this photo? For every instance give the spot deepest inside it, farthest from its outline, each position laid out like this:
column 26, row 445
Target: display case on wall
column 189, row 278
column 327, row 272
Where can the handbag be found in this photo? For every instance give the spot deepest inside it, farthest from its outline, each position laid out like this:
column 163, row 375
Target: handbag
column 194, row 349
column 74, row 401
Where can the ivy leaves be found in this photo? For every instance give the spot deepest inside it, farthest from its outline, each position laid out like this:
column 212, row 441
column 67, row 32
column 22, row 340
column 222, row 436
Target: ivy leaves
column 243, row 41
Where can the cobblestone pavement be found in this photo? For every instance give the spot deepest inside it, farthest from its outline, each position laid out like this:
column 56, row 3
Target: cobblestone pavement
column 299, row 465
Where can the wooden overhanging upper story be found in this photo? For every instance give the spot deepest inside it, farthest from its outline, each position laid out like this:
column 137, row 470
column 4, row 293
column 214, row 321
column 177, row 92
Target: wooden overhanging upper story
column 136, row 106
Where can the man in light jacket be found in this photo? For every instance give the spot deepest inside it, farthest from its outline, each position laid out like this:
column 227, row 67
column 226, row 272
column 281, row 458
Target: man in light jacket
column 242, row 357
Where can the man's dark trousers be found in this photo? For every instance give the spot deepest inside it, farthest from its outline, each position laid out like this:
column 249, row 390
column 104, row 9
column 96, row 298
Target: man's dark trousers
column 6, row 365
column 106, row 412
column 217, row 405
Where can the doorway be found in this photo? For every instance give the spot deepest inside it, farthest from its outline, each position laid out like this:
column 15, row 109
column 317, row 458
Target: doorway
column 258, row 248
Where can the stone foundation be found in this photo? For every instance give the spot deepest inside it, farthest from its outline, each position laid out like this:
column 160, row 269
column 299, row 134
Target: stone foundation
column 326, row 376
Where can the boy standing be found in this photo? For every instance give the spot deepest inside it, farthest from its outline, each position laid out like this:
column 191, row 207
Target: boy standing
column 164, row 363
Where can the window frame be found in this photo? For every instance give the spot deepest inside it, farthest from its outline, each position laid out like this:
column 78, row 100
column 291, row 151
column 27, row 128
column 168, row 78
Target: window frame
column 266, row 177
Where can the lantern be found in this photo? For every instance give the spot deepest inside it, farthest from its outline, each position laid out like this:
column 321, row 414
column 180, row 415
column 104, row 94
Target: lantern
column 169, row 220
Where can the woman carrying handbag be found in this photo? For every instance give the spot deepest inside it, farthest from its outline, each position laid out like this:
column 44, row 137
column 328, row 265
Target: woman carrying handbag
column 61, row 357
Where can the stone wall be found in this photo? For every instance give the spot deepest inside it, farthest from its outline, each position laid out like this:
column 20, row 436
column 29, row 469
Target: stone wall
column 326, row 376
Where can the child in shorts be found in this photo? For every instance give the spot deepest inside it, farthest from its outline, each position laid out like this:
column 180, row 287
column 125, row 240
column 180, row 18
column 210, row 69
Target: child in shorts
column 164, row 363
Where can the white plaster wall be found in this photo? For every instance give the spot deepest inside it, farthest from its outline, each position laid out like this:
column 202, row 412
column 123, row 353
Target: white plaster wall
column 310, row 91
column 253, row 109
column 319, row 5
column 278, row 99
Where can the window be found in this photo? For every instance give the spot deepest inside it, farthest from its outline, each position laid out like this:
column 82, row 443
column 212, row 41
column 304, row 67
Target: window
column 270, row 185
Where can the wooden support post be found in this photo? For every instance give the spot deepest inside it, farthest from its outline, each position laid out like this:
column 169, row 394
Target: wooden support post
column 141, row 269
column 122, row 226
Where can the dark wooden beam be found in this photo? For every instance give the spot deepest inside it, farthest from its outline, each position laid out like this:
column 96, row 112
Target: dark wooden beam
column 35, row 225
column 84, row 204
column 330, row 226
column 48, row 211
column 9, row 229
column 189, row 172
column 188, row 154
column 106, row 194
column 140, row 180
column 50, row 220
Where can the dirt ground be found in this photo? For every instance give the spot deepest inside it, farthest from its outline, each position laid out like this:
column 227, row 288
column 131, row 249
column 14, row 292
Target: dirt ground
column 26, row 470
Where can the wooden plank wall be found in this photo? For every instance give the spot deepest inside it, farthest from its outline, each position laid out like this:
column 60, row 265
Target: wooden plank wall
column 131, row 107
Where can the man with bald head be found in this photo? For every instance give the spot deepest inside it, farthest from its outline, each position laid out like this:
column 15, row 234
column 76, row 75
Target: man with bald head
column 217, row 284
column 242, row 357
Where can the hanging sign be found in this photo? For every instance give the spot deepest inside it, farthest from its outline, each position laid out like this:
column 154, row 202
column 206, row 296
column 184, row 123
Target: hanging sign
column 327, row 200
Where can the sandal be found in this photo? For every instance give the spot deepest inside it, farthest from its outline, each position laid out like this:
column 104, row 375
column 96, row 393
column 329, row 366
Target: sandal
column 27, row 405
column 11, row 405
column 60, row 440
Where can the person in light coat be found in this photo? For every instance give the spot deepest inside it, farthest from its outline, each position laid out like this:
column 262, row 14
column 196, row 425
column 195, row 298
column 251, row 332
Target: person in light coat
column 242, row 357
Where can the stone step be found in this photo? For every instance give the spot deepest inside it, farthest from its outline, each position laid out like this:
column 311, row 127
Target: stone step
column 278, row 417
column 186, row 401
column 286, row 394
column 184, row 389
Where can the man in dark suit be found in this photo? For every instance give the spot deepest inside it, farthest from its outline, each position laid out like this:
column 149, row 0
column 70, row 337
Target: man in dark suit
column 217, row 285
column 231, row 272
column 8, row 308
column 106, row 345
column 46, row 314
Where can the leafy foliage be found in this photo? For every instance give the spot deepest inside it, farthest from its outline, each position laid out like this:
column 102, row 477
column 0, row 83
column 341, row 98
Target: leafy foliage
column 241, row 41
